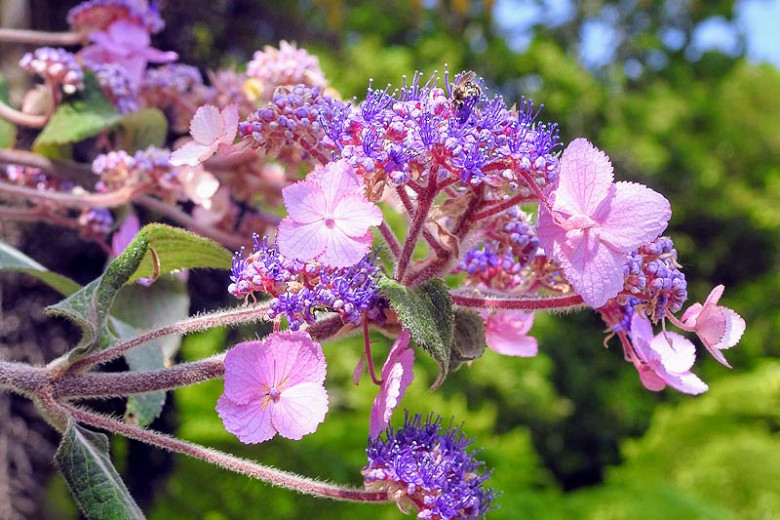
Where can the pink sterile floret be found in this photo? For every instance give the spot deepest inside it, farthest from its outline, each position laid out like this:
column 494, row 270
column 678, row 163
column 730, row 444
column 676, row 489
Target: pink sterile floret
column 664, row 359
column 718, row 327
column 329, row 218
column 127, row 44
column 397, row 375
column 592, row 223
column 274, row 385
column 212, row 132
column 506, row 333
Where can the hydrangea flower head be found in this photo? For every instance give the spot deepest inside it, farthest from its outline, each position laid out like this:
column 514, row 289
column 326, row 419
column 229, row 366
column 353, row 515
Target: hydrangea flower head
column 718, row 327
column 397, row 375
column 274, row 385
column 664, row 359
column 127, row 44
column 97, row 15
column 57, row 67
column 329, row 218
column 425, row 467
column 592, row 223
column 506, row 333
column 212, row 132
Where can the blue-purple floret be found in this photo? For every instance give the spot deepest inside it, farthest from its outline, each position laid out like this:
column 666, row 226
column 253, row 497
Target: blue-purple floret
column 428, row 467
column 652, row 275
column 419, row 128
column 301, row 289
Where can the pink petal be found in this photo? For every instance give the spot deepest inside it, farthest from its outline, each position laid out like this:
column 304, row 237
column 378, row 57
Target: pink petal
column 687, row 383
column 301, row 408
column 305, row 202
column 108, row 44
column 135, row 67
column 250, row 422
column 248, row 371
column 125, row 234
column 397, row 375
column 505, row 333
column 677, row 354
column 230, row 117
column 157, row 56
column 344, row 251
column 650, row 379
column 337, row 180
column 691, row 314
column 207, row 125
column 191, row 153
column 296, row 358
column 301, row 241
column 594, row 270
column 636, row 215
column 584, row 180
column 358, row 370
column 354, row 215
column 129, row 35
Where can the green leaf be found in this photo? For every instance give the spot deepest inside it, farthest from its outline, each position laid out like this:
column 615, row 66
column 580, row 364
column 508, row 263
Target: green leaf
column 88, row 114
column 174, row 248
column 84, row 461
column 427, row 312
column 89, row 307
column 7, row 128
column 140, row 309
column 12, row 259
column 142, row 129
column 468, row 339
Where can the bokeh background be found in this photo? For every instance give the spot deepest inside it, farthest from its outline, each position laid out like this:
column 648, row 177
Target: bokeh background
column 683, row 95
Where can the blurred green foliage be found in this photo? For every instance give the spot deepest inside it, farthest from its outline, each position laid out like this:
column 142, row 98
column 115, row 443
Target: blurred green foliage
column 570, row 433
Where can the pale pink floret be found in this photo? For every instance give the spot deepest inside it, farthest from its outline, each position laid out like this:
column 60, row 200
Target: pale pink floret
column 594, row 223
column 329, row 218
column 125, row 234
column 506, row 333
column 664, row 359
column 212, row 132
column 197, row 184
column 397, row 375
column 127, row 44
column 718, row 327
column 274, row 386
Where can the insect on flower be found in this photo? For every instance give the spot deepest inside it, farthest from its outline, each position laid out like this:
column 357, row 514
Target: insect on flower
column 465, row 88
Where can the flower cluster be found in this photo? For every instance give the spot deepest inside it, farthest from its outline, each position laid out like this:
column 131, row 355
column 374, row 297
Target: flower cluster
column 454, row 133
column 119, row 169
column 426, row 467
column 95, row 15
column 117, row 86
column 34, row 178
column 286, row 65
column 57, row 67
column 300, row 289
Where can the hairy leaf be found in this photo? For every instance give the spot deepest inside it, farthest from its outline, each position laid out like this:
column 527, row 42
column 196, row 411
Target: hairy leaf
column 427, row 312
column 142, row 129
column 468, row 340
column 7, row 128
column 84, row 461
column 89, row 113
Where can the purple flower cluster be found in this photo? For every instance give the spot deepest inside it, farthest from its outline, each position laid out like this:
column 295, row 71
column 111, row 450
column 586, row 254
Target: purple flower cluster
column 34, row 178
column 300, row 289
column 57, row 67
column 653, row 276
column 119, row 169
column 455, row 133
column 96, row 223
column 99, row 14
column 427, row 468
column 510, row 245
column 117, row 86
column 292, row 124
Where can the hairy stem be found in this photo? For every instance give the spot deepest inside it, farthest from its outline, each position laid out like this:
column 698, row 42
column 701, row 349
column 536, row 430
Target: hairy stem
column 232, row 463
column 41, row 37
column 119, row 384
column 80, row 174
column 497, row 302
column 22, row 119
column 222, row 318
column 390, row 239
column 424, row 203
column 72, row 200
column 21, row 378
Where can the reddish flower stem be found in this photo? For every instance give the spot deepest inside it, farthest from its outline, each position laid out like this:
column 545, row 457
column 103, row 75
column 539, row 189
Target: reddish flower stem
column 80, row 174
column 424, row 202
column 497, row 208
column 369, row 357
column 390, row 239
column 71, row 200
column 229, row 462
column 527, row 304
